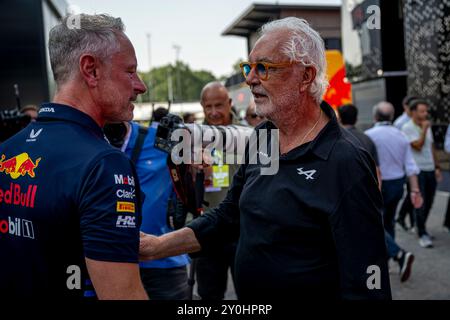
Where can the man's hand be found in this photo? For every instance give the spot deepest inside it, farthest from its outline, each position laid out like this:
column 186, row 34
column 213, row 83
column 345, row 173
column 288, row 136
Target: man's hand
column 438, row 175
column 168, row 245
column 416, row 199
column 425, row 125
column 148, row 246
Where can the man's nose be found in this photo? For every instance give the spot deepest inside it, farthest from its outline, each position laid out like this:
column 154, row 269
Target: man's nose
column 252, row 77
column 139, row 86
column 214, row 111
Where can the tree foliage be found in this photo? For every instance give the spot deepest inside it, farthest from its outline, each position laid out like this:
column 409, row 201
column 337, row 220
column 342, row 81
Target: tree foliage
column 186, row 83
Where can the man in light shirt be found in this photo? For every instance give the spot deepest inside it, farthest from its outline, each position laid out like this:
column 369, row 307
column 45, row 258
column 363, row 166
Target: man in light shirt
column 405, row 116
column 395, row 161
column 418, row 132
column 406, row 207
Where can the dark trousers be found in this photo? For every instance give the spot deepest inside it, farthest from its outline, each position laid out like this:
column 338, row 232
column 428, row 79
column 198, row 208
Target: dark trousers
column 427, row 186
column 392, row 191
column 212, row 273
column 407, row 208
column 447, row 215
column 165, row 284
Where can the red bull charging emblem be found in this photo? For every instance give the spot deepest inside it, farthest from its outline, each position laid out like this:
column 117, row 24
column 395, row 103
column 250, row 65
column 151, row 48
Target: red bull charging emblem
column 19, row 166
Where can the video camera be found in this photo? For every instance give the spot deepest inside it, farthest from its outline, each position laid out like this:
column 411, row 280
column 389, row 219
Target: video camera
column 226, row 138
column 188, row 183
column 11, row 122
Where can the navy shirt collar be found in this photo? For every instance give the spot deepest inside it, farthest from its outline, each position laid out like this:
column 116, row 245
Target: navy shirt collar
column 56, row 111
column 322, row 145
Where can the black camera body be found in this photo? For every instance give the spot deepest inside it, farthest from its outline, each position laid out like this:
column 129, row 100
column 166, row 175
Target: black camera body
column 166, row 127
column 224, row 138
column 11, row 122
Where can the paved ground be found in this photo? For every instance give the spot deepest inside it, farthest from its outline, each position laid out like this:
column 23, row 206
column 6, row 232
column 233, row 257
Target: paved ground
column 431, row 270
column 430, row 278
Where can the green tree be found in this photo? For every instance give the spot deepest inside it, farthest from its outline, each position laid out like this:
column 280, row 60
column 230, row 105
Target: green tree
column 191, row 83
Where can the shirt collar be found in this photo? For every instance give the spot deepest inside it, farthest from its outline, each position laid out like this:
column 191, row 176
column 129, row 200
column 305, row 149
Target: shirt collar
column 322, row 145
column 383, row 123
column 56, row 111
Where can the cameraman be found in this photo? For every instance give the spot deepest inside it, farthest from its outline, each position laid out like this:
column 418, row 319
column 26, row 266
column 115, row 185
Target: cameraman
column 163, row 279
column 212, row 270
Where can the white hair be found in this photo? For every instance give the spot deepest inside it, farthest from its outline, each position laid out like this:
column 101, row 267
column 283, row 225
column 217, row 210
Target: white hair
column 97, row 35
column 306, row 46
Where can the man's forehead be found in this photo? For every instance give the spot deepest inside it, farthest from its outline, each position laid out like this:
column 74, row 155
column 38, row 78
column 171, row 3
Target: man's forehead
column 215, row 92
column 126, row 52
column 269, row 45
column 422, row 106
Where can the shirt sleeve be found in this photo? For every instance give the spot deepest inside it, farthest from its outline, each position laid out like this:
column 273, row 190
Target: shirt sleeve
column 447, row 140
column 358, row 232
column 411, row 167
column 110, row 211
column 410, row 133
column 220, row 225
column 430, row 135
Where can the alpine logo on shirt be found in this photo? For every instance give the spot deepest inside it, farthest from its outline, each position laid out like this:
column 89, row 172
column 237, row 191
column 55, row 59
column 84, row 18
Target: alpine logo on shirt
column 309, row 174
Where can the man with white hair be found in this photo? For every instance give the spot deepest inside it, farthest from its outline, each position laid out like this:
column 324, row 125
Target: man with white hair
column 72, row 228
column 314, row 229
column 396, row 162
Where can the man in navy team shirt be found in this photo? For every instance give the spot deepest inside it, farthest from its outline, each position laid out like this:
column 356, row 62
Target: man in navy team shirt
column 63, row 225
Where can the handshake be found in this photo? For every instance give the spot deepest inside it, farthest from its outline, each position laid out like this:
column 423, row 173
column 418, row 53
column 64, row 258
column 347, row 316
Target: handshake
column 170, row 244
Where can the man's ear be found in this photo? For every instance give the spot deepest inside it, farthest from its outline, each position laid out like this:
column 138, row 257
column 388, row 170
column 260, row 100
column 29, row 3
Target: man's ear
column 308, row 77
column 89, row 69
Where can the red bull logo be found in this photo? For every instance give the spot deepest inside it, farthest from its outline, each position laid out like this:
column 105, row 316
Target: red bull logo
column 19, row 166
column 17, row 196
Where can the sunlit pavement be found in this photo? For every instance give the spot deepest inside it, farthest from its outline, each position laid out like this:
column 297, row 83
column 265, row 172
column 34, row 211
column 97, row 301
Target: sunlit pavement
column 430, row 277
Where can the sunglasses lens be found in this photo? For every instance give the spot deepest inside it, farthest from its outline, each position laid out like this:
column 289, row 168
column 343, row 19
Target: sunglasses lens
column 246, row 68
column 261, row 69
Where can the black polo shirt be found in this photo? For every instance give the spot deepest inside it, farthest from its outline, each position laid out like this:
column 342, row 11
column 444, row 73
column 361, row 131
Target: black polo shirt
column 365, row 142
column 310, row 231
column 62, row 190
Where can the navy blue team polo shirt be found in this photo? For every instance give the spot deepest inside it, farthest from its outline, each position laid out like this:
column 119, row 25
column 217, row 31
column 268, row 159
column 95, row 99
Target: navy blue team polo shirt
column 65, row 194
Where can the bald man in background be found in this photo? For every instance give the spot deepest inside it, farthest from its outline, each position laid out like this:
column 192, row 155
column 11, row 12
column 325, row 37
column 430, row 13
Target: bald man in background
column 212, row 270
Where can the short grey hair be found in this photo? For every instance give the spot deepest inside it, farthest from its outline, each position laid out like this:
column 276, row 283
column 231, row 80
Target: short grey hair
column 96, row 35
column 306, row 46
column 383, row 111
